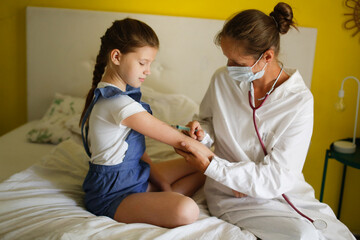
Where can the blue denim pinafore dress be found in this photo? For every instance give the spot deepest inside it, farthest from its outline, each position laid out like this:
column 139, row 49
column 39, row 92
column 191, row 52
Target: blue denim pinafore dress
column 106, row 186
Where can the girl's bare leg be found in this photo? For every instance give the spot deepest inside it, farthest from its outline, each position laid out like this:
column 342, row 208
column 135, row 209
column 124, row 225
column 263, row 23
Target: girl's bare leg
column 181, row 176
column 165, row 209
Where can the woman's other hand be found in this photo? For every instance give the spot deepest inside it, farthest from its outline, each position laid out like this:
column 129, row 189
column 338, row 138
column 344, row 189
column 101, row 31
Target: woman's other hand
column 238, row 194
column 195, row 157
column 196, row 132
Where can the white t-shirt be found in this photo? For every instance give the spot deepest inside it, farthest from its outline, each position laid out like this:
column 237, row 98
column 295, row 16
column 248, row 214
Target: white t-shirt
column 106, row 133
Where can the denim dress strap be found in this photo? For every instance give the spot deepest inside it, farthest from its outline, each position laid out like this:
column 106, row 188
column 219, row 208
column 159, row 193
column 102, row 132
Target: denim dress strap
column 107, row 92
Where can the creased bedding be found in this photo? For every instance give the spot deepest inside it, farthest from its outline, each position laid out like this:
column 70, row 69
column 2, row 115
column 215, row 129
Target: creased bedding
column 45, row 202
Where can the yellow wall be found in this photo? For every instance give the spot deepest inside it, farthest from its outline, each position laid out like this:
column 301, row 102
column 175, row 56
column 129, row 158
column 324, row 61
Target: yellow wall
column 337, row 56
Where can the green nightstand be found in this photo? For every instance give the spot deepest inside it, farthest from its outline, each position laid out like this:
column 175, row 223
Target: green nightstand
column 352, row 160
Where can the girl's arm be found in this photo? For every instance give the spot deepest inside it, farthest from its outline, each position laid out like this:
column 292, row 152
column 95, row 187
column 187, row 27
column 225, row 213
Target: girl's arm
column 148, row 125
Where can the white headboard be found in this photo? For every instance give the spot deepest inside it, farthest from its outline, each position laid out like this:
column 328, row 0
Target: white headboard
column 62, row 45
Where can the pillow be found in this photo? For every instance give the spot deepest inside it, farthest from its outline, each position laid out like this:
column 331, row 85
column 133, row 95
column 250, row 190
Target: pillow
column 60, row 121
column 170, row 108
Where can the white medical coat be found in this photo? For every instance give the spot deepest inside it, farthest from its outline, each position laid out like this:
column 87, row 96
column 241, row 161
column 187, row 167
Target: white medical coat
column 285, row 123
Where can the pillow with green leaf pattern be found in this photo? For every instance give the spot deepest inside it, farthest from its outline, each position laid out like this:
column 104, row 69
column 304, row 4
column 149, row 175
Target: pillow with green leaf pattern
column 58, row 123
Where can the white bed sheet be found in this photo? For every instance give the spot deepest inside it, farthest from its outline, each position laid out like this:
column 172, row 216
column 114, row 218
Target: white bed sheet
column 16, row 153
column 45, row 201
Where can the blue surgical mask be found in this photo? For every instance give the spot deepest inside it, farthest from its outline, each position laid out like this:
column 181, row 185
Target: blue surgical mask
column 245, row 74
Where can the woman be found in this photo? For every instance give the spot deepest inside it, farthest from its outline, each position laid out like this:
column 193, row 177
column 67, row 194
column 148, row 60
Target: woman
column 259, row 116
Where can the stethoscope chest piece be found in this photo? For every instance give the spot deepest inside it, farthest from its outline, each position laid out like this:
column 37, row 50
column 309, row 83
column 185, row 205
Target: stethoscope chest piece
column 319, row 224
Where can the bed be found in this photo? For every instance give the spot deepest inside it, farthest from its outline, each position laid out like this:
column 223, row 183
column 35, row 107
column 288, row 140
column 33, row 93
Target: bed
column 43, row 161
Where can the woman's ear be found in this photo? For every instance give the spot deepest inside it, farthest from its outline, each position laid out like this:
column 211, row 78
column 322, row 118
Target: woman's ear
column 269, row 55
column 115, row 56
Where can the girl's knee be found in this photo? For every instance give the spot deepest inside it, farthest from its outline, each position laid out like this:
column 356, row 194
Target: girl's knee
column 186, row 211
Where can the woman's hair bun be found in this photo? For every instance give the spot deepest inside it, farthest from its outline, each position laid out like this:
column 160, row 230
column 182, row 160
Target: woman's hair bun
column 283, row 16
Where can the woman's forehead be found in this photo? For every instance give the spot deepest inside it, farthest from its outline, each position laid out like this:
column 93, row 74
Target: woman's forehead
column 234, row 50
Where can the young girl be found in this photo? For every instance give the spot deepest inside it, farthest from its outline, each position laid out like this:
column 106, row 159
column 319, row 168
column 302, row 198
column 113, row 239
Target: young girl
column 122, row 182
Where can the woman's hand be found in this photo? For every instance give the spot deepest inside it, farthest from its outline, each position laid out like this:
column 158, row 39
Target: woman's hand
column 196, row 132
column 238, row 194
column 195, row 157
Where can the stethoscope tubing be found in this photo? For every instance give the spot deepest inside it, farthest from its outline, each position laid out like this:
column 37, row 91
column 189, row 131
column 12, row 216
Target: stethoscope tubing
column 254, row 121
column 319, row 224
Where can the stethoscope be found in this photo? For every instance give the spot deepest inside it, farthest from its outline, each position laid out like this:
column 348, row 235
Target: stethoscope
column 318, row 223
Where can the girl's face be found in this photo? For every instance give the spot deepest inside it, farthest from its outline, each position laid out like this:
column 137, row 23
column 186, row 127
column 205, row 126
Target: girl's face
column 134, row 67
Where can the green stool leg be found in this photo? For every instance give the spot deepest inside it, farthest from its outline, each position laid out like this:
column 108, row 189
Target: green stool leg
column 324, row 175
